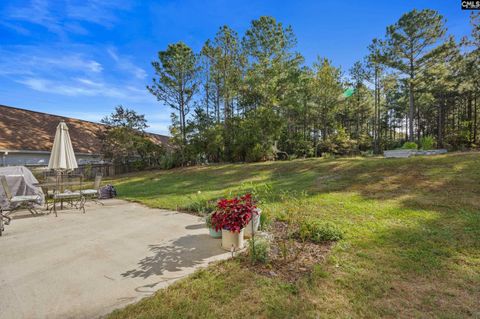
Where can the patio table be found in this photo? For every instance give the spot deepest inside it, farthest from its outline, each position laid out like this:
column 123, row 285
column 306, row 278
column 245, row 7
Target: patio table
column 57, row 189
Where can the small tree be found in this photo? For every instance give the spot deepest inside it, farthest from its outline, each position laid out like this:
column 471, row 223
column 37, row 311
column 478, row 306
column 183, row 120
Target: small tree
column 411, row 48
column 176, row 81
column 124, row 139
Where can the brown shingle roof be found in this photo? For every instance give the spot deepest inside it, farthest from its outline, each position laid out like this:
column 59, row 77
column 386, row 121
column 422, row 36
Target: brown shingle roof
column 34, row 131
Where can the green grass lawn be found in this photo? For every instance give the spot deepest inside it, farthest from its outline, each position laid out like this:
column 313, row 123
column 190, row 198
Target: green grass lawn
column 411, row 246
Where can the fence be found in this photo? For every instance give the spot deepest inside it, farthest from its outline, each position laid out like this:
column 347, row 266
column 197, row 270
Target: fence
column 89, row 171
column 106, row 170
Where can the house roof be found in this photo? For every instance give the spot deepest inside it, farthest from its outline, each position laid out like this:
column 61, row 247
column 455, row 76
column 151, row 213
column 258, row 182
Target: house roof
column 27, row 130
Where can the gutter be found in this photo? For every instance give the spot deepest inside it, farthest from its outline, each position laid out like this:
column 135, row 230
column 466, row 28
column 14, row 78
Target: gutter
column 41, row 152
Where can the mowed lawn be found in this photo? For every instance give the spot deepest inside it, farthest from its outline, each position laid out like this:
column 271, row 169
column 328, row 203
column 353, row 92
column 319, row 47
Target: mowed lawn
column 411, row 246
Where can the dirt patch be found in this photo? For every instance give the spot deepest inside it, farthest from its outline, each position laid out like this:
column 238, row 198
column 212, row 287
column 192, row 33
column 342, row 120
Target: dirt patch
column 289, row 259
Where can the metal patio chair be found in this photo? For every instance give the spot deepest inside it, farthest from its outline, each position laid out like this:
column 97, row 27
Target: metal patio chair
column 75, row 198
column 92, row 193
column 15, row 203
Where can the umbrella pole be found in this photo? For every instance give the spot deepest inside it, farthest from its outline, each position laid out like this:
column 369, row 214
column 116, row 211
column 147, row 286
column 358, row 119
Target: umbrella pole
column 60, row 185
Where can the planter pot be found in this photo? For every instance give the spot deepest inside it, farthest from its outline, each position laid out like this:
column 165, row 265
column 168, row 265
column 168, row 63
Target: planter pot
column 214, row 233
column 232, row 239
column 255, row 221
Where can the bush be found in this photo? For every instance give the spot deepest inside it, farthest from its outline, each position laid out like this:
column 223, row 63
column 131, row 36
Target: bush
column 257, row 153
column 168, row 161
column 264, row 220
column 200, row 205
column 208, row 221
column 410, row 146
column 427, row 142
column 338, row 143
column 318, row 232
column 258, row 250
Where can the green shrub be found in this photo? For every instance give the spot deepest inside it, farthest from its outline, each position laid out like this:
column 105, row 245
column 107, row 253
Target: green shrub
column 338, row 143
column 318, row 232
column 410, row 146
column 258, row 249
column 168, row 161
column 256, row 153
column 200, row 205
column 264, row 220
column 427, row 142
column 208, row 220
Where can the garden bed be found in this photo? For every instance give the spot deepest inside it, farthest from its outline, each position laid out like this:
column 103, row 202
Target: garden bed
column 289, row 259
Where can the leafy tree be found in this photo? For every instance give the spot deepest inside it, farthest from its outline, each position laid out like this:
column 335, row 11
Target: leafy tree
column 126, row 118
column 123, row 136
column 326, row 93
column 177, row 81
column 256, row 98
column 412, row 45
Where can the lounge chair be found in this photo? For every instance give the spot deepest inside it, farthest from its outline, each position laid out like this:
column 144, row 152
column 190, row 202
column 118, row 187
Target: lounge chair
column 92, row 193
column 14, row 203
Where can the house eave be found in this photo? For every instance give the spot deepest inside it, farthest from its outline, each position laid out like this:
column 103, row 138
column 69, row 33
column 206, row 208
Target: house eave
column 40, row 152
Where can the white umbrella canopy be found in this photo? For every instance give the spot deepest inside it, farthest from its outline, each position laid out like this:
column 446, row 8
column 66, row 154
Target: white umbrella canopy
column 62, row 157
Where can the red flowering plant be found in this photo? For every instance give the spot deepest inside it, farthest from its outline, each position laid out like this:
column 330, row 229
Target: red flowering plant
column 234, row 214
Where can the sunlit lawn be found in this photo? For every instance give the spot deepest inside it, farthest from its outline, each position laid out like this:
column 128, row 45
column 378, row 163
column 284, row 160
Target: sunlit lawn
column 412, row 244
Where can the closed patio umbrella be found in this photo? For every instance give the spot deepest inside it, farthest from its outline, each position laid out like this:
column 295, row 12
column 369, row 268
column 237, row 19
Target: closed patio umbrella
column 62, row 157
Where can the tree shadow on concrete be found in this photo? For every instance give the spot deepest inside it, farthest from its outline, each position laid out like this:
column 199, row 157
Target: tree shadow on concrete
column 187, row 251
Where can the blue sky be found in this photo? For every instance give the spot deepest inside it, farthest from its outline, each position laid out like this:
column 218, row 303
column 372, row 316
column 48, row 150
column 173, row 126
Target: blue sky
column 82, row 58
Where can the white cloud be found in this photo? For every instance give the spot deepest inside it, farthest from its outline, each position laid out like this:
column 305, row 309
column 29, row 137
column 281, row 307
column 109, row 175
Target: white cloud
column 20, row 60
column 36, row 12
column 62, row 17
column 124, row 63
column 75, row 70
column 82, row 87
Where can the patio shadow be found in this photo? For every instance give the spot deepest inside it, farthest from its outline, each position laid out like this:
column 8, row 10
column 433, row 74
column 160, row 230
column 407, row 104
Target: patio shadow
column 196, row 226
column 187, row 251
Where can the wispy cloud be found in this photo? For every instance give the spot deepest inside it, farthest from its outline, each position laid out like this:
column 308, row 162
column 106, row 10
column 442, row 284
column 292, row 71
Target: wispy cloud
column 80, row 87
column 74, row 71
column 30, row 60
column 125, row 64
column 63, row 17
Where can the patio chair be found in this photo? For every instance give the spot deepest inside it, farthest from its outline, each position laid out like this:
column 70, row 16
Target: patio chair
column 48, row 187
column 93, row 192
column 15, row 203
column 74, row 198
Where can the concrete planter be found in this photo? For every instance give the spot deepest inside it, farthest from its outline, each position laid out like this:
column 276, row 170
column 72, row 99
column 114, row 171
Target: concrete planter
column 255, row 221
column 232, row 240
column 408, row 153
column 398, row 153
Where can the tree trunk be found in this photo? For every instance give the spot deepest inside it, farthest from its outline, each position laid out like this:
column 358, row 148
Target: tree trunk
column 440, row 122
column 475, row 117
column 470, row 118
column 411, row 112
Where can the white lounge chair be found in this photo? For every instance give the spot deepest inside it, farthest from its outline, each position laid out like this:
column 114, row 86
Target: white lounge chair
column 92, row 193
column 14, row 203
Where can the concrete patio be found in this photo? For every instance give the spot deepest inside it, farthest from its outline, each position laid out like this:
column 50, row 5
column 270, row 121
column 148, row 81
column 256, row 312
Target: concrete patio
column 85, row 265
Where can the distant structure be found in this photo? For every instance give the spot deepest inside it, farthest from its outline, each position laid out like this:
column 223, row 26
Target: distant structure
column 26, row 137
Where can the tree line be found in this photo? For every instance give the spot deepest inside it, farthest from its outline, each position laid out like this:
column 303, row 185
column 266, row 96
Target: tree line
column 253, row 97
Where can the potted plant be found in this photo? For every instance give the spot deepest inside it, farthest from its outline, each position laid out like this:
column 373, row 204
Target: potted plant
column 231, row 217
column 211, row 229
